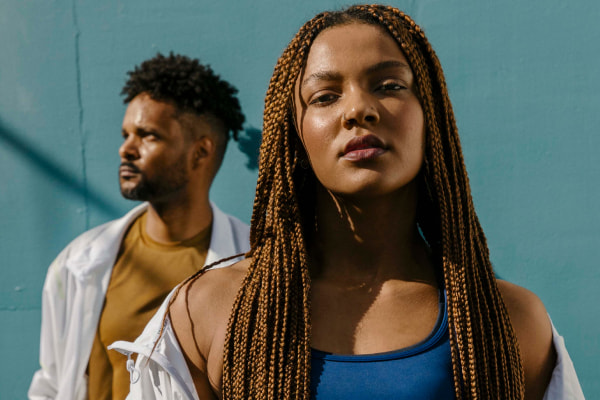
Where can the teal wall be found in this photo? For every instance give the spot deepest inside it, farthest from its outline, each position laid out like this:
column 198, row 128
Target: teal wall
column 522, row 76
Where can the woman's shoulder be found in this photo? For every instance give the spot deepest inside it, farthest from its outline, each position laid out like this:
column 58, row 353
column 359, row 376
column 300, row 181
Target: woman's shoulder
column 208, row 298
column 532, row 326
column 216, row 285
column 524, row 306
column 199, row 315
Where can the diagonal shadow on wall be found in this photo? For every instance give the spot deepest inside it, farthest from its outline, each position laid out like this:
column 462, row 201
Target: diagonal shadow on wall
column 249, row 144
column 59, row 174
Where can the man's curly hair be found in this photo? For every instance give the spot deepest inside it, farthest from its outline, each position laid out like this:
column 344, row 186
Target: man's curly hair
column 189, row 86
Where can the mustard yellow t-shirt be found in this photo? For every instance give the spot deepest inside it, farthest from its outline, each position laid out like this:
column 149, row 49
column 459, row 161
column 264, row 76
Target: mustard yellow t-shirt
column 145, row 272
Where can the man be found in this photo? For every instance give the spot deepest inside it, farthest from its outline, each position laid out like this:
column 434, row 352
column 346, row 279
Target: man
column 108, row 282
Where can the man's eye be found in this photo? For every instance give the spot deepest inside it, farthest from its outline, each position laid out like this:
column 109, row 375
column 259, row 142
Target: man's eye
column 149, row 136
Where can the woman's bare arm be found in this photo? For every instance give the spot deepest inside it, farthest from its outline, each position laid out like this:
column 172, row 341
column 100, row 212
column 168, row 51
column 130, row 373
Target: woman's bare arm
column 534, row 333
column 199, row 316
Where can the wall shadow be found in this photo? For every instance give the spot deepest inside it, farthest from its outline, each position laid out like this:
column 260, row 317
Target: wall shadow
column 249, row 144
column 53, row 170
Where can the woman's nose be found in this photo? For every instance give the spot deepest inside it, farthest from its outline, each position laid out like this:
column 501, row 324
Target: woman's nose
column 360, row 110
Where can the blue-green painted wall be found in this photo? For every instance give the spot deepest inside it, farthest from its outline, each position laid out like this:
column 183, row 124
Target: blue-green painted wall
column 522, row 76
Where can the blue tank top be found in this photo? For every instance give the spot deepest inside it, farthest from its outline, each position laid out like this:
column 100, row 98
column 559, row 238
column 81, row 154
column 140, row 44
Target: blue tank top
column 419, row 372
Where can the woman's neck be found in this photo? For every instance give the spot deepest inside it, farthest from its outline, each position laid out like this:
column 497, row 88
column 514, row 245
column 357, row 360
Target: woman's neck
column 367, row 240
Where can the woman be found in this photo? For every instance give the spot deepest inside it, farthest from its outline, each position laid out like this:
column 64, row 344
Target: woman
column 369, row 274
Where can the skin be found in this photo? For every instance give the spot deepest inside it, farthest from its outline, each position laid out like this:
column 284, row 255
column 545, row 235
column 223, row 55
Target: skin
column 357, row 84
column 373, row 283
column 169, row 158
column 360, row 88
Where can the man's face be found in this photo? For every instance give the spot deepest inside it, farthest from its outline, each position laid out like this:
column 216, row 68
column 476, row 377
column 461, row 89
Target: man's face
column 154, row 154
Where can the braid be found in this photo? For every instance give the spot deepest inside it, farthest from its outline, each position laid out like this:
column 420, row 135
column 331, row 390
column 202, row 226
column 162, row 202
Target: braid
column 485, row 353
column 267, row 345
column 184, row 285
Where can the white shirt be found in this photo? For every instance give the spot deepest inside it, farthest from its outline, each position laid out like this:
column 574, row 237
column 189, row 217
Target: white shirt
column 73, row 297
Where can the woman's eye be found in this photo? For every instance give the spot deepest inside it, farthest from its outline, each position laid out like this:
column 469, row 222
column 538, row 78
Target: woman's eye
column 392, row 86
column 323, row 99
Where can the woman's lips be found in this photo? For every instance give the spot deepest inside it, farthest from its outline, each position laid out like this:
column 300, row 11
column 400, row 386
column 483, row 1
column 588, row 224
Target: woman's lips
column 364, row 154
column 363, row 148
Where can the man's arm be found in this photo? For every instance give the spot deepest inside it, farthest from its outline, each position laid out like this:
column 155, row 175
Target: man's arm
column 45, row 380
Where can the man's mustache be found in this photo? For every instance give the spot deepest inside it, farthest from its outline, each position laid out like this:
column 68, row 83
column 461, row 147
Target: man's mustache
column 130, row 166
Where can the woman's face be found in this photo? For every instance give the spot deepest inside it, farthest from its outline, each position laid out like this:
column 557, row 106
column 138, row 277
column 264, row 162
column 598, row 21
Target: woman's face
column 357, row 113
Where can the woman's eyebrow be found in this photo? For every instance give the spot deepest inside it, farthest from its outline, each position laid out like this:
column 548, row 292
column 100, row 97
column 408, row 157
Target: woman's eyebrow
column 334, row 76
column 322, row 76
column 390, row 64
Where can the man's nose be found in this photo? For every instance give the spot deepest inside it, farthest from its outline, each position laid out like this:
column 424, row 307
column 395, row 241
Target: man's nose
column 129, row 148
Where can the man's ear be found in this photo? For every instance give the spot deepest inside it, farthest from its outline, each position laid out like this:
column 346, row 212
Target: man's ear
column 203, row 149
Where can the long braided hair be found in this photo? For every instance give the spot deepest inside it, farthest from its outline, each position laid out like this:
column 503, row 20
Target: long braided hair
column 267, row 346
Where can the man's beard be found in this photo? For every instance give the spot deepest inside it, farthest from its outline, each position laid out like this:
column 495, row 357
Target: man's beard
column 170, row 180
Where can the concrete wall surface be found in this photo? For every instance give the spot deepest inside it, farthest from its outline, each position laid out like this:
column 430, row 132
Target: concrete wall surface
column 522, row 77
